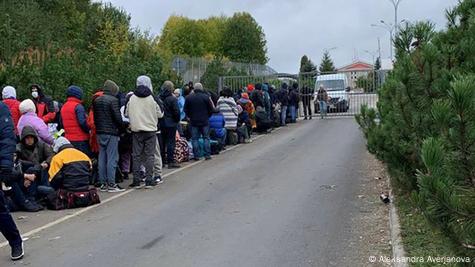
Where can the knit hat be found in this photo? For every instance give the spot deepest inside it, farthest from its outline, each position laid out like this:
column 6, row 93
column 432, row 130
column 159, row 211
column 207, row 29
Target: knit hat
column 8, row 92
column 245, row 96
column 111, row 87
column 60, row 142
column 27, row 106
column 198, row 86
column 145, row 81
column 250, row 87
column 168, row 85
column 74, row 91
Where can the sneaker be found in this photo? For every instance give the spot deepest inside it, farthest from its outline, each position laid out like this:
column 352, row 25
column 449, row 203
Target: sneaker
column 31, row 206
column 136, row 185
column 17, row 252
column 103, row 188
column 115, row 188
column 150, row 185
column 158, row 179
column 173, row 165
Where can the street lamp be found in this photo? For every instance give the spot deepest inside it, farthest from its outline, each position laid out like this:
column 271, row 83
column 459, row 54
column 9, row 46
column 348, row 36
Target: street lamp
column 396, row 5
column 389, row 28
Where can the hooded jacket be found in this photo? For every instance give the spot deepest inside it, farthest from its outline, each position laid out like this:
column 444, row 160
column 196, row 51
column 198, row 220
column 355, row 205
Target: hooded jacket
column 228, row 107
column 217, row 122
column 107, row 118
column 171, row 116
column 38, row 153
column 73, row 116
column 44, row 105
column 143, row 111
column 283, row 95
column 70, row 168
column 198, row 107
column 92, row 126
column 29, row 118
column 7, row 139
column 9, row 98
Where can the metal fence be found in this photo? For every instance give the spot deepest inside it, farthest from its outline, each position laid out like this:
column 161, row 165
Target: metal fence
column 347, row 91
column 193, row 68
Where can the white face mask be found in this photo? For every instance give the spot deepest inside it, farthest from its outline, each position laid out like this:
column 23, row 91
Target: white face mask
column 34, row 94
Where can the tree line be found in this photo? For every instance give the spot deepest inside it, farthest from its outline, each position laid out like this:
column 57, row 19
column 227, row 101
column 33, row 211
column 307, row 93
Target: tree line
column 424, row 126
column 58, row 43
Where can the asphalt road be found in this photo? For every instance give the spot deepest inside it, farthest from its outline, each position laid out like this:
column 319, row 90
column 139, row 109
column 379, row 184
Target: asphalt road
column 285, row 200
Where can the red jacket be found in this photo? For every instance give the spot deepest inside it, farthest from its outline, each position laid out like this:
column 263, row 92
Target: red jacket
column 14, row 107
column 90, row 122
column 44, row 113
column 71, row 124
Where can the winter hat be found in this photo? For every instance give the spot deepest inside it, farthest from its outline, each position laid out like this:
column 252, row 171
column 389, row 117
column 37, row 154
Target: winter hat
column 245, row 96
column 145, row 81
column 198, row 86
column 27, row 106
column 8, row 92
column 111, row 87
column 74, row 91
column 168, row 86
column 177, row 92
column 265, row 87
column 250, row 87
column 60, row 142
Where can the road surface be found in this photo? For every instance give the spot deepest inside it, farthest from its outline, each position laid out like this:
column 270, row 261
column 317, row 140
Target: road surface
column 285, row 200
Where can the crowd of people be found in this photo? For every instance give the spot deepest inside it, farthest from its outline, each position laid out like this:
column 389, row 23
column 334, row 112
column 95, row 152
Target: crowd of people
column 122, row 135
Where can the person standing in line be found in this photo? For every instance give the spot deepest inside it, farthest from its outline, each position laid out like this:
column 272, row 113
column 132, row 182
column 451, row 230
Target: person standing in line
column 283, row 99
column 9, row 99
column 307, row 94
column 144, row 113
column 169, row 123
column 7, row 149
column 108, row 122
column 199, row 107
column 44, row 105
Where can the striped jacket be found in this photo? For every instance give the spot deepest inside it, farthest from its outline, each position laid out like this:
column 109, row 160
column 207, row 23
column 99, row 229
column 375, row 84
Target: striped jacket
column 228, row 107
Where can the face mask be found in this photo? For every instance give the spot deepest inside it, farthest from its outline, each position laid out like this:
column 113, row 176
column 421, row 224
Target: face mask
column 34, row 94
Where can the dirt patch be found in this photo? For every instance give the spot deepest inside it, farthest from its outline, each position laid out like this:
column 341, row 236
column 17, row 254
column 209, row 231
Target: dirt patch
column 370, row 224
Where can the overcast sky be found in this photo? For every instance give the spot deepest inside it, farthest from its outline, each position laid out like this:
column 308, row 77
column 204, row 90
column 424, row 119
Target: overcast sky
column 297, row 27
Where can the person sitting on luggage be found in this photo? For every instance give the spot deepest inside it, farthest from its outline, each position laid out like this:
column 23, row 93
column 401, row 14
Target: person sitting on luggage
column 70, row 168
column 217, row 130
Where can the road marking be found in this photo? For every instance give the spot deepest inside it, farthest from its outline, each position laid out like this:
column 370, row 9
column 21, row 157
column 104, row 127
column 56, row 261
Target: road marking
column 79, row 212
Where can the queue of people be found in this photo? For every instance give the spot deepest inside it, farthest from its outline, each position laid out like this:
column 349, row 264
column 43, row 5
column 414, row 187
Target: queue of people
column 121, row 135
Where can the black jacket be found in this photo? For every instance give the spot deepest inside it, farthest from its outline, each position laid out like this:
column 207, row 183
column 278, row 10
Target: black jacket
column 198, row 107
column 171, row 110
column 107, row 117
column 257, row 98
column 7, row 138
column 283, row 97
column 38, row 153
column 307, row 95
column 293, row 98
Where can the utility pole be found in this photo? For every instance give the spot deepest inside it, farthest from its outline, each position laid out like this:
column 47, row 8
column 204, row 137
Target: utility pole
column 379, row 48
column 396, row 6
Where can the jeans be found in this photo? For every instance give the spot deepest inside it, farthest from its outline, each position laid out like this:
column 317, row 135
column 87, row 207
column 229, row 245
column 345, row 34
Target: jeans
column 323, row 108
column 7, row 224
column 108, row 157
column 169, row 134
column 283, row 115
column 293, row 113
column 196, row 132
column 143, row 153
column 21, row 193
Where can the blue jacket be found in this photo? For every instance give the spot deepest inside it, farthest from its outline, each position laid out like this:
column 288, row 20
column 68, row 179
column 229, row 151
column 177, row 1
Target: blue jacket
column 7, row 138
column 181, row 105
column 216, row 122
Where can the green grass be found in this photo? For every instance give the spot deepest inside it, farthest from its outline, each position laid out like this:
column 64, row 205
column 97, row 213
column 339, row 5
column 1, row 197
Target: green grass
column 420, row 239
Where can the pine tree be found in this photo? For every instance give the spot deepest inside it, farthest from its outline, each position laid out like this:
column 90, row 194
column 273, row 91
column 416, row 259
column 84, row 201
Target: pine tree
column 424, row 128
column 377, row 64
column 306, row 65
column 326, row 66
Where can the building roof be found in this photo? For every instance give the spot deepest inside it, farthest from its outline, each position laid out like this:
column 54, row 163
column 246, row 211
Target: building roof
column 357, row 66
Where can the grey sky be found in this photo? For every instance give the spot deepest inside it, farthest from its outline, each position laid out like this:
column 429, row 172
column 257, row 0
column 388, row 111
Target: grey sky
column 298, row 27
